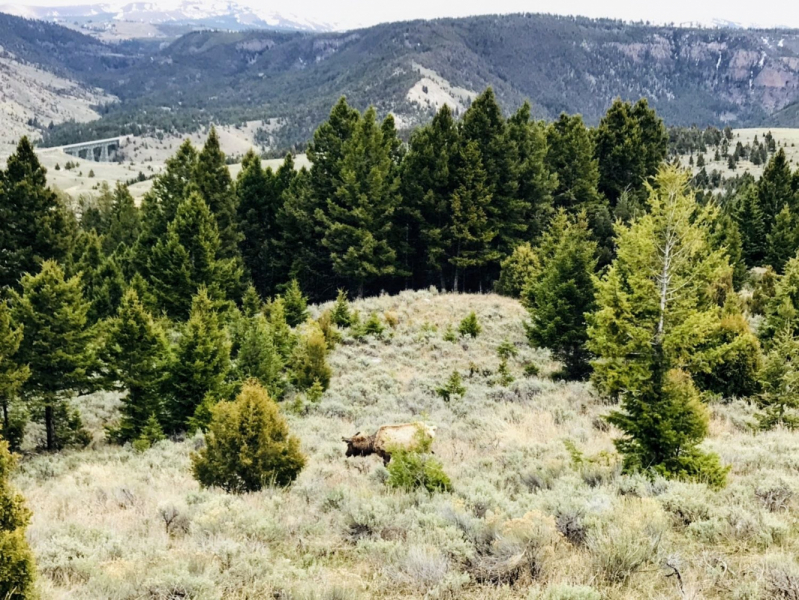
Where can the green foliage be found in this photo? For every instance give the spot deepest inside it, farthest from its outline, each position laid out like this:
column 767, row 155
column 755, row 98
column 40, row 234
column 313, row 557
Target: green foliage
column 765, row 286
column 507, row 350
column 248, row 445
column 782, row 309
column 560, row 296
column 340, row 314
column 136, row 355
column 453, row 388
column 779, row 400
column 12, row 376
column 783, row 240
column 309, row 363
column 17, row 567
column 570, row 155
column 57, row 343
column 372, row 326
column 470, row 325
column 517, row 269
column 775, row 189
column 124, row 222
column 449, row 334
column 258, row 357
column 503, row 371
column 415, row 468
column 151, row 433
column 295, row 304
column 329, row 329
column 752, row 225
column 190, row 257
column 200, row 363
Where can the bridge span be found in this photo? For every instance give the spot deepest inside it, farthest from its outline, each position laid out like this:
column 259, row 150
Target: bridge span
column 96, row 150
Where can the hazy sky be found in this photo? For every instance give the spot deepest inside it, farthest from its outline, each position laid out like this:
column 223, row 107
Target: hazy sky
column 352, row 13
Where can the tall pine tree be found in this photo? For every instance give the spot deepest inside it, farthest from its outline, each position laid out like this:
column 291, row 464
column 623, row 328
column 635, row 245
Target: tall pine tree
column 12, row 376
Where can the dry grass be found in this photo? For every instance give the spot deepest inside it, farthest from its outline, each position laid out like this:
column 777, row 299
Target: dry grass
column 522, row 522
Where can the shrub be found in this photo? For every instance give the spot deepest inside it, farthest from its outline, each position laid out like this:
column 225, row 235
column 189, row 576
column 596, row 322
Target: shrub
column 248, row 445
column 453, row 387
column 295, row 303
column 340, row 315
column 449, row 334
column 310, row 360
column 17, row 570
column 329, row 329
column 507, row 350
column 152, row 433
column 392, row 319
column 572, row 592
column 470, row 326
column 764, row 290
column 372, row 326
column 411, row 469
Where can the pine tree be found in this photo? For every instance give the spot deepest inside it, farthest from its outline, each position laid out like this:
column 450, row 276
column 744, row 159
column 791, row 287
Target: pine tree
column 12, row 376
column 359, row 217
column 472, row 231
column 780, row 377
column 782, row 309
column 295, row 304
column 136, row 354
column 190, row 257
column 200, row 363
column 57, row 345
column 427, row 185
column 570, row 155
column 17, row 567
column 775, row 189
column 36, row 226
column 484, row 125
column 124, row 225
column 562, row 293
column 160, row 205
column 656, row 308
column 783, row 240
column 309, row 363
column 259, row 359
column 248, row 445
column 752, row 226
column 726, row 235
column 341, row 314
column 536, row 182
column 212, row 180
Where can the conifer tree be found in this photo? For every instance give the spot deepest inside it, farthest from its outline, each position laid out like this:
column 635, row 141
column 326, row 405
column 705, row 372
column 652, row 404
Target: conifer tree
column 472, row 231
column 782, row 309
column 190, row 257
column 57, row 346
column 12, row 376
column 259, row 359
column 212, row 180
column 36, row 226
column 775, row 189
column 200, row 364
column 780, row 377
column 341, row 315
column 160, row 205
column 358, row 219
column 536, row 182
column 562, row 293
column 309, row 363
column 124, row 225
column 282, row 335
column 295, row 304
column 656, row 308
column 752, row 226
column 248, row 445
column 783, row 240
column 570, row 155
column 137, row 355
column 17, row 567
column 726, row 235
column 427, row 186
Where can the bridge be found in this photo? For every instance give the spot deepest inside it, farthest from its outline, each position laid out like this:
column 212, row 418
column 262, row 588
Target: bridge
column 96, row 150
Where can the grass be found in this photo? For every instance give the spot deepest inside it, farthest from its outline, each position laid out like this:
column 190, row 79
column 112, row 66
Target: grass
column 539, row 508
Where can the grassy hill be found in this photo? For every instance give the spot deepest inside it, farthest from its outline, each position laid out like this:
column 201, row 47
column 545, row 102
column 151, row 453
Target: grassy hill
column 539, row 506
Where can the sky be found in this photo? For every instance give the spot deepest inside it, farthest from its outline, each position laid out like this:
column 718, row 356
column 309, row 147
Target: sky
column 354, row 13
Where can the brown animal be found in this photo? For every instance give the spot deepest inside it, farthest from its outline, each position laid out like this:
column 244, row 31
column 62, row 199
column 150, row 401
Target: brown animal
column 388, row 437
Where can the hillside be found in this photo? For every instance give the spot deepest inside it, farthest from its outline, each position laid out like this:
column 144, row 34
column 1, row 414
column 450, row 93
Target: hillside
column 113, row 523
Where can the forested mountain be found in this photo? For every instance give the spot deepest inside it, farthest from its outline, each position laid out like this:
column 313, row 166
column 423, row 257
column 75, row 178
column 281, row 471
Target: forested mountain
column 576, row 65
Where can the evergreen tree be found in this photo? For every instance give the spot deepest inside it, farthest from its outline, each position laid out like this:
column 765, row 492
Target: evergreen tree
column 484, row 125
column 570, row 155
column 775, row 189
column 726, row 235
column 259, row 359
column 190, row 257
column 427, row 186
column 212, row 179
column 17, row 568
column 472, row 231
column 341, row 315
column 783, row 240
column 358, row 218
column 780, row 377
column 309, row 363
column 561, row 295
column 248, row 446
column 12, row 376
column 536, row 183
column 656, row 309
column 136, row 354
column 124, row 225
column 295, row 304
column 36, row 226
column 160, row 205
column 56, row 345
column 782, row 309
column 200, row 364
column 88, row 268
column 752, row 226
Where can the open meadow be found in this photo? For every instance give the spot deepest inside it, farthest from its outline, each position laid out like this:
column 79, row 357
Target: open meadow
column 539, row 507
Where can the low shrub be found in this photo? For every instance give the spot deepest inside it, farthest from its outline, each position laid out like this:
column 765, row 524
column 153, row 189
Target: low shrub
column 470, row 326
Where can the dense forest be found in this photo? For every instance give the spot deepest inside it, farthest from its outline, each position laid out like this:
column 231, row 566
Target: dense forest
column 629, row 270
